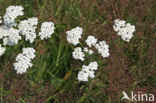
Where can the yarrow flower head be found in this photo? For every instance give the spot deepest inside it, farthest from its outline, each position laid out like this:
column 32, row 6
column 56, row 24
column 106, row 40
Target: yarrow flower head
column 74, row 35
column 91, row 41
column 82, row 76
column 103, row 49
column 23, row 60
column 29, row 53
column 11, row 37
column 87, row 71
column 28, row 28
column 12, row 12
column 78, row 54
column 47, row 29
column 93, row 66
column 2, row 50
column 123, row 29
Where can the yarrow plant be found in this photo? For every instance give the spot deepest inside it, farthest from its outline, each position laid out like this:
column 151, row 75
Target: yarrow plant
column 123, row 29
column 11, row 32
column 73, row 37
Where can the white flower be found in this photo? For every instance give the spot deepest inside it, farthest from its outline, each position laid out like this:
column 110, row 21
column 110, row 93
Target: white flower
column 74, row 35
column 28, row 28
column 2, row 50
column 23, row 60
column 103, row 49
column 91, row 41
column 12, row 12
column 86, row 50
column 93, row 66
column 29, row 52
column 82, row 76
column 90, row 52
column 118, row 24
column 87, row 71
column 78, row 54
column 47, row 29
column 0, row 20
column 11, row 37
column 22, row 64
column 123, row 29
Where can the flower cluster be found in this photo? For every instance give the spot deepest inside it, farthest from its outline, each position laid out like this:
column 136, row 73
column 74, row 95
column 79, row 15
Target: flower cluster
column 103, row 49
column 87, row 71
column 11, row 32
column 23, row 60
column 91, row 41
column 10, row 36
column 74, row 35
column 47, row 29
column 2, row 50
column 28, row 29
column 12, row 12
column 123, row 29
column 78, row 54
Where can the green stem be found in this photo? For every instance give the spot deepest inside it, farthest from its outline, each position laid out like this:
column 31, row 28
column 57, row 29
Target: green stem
column 58, row 56
column 81, row 44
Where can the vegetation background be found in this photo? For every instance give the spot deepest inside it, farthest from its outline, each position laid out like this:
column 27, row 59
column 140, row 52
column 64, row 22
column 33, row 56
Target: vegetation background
column 53, row 78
